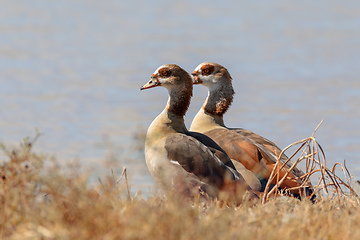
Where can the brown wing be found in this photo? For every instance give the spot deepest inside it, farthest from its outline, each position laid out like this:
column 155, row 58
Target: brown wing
column 196, row 158
column 213, row 147
column 262, row 142
column 256, row 153
column 247, row 175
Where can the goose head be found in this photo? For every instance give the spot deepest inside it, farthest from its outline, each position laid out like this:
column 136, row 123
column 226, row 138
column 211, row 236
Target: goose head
column 211, row 75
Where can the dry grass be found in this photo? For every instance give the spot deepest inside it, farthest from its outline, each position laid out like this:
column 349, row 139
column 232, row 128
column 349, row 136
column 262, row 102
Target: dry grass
column 43, row 202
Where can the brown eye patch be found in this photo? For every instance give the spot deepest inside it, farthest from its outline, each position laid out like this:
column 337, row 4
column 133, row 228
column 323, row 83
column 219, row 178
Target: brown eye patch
column 207, row 69
column 164, row 72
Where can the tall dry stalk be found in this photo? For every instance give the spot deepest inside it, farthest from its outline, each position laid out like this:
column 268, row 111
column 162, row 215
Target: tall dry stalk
column 329, row 183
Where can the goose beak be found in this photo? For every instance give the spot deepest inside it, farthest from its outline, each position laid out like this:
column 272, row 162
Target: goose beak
column 154, row 82
column 195, row 77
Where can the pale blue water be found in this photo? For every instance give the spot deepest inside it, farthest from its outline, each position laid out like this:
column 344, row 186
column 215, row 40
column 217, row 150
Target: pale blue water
column 73, row 70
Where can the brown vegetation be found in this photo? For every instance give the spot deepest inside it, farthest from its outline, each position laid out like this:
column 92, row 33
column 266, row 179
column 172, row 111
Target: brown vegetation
column 39, row 200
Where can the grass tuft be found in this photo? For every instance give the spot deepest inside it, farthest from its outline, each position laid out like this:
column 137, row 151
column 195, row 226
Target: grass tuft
column 40, row 200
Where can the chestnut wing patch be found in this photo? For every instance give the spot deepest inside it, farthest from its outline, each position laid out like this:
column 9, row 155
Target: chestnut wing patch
column 259, row 140
column 237, row 147
column 267, row 147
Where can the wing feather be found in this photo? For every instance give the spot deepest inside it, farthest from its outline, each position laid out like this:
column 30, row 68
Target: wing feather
column 253, row 151
column 213, row 147
column 196, row 158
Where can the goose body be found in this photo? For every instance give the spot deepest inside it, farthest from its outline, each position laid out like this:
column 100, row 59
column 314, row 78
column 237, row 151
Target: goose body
column 256, row 153
column 186, row 163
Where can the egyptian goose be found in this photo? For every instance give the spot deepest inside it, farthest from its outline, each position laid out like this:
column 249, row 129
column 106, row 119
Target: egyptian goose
column 256, row 153
column 187, row 163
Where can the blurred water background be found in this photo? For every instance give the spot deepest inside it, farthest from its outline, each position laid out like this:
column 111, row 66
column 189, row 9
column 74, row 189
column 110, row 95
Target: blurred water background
column 73, row 69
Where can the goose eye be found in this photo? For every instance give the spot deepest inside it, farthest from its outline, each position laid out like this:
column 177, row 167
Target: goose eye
column 164, row 72
column 207, row 69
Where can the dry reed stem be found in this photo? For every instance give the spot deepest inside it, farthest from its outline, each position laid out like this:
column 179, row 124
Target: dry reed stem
column 127, row 183
column 315, row 162
column 123, row 173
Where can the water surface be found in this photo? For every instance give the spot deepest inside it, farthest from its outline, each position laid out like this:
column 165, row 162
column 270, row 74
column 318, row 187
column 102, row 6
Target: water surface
column 73, row 69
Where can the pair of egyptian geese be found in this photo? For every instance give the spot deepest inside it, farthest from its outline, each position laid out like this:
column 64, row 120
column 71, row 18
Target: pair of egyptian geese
column 211, row 161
